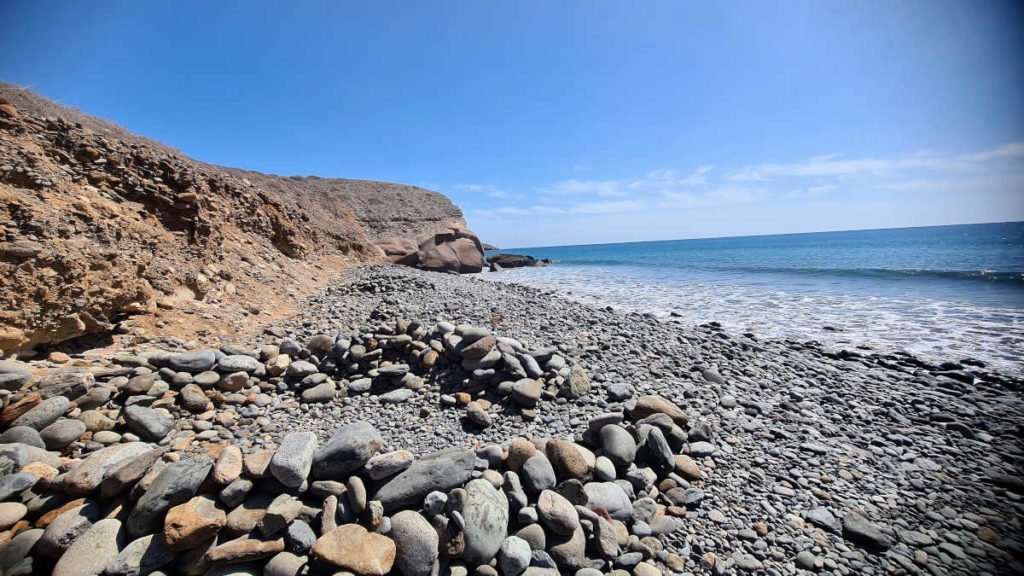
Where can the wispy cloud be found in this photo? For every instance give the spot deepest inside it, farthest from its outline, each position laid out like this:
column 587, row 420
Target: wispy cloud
column 815, row 179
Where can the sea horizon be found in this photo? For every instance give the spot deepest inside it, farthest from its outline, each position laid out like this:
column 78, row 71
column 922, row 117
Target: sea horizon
column 939, row 292
column 723, row 237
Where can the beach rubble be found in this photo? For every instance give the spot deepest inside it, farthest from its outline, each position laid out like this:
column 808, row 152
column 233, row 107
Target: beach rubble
column 438, row 445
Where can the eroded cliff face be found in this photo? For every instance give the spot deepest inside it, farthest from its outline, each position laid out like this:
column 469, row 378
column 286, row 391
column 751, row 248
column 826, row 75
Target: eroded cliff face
column 97, row 225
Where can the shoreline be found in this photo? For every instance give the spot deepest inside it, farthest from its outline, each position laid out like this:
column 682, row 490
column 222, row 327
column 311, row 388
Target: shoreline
column 789, row 459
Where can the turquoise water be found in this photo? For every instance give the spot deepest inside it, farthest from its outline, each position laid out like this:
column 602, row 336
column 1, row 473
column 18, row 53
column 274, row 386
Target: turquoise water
column 942, row 292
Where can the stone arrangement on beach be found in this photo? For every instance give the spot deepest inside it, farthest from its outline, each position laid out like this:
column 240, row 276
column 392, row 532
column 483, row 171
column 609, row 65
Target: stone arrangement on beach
column 359, row 441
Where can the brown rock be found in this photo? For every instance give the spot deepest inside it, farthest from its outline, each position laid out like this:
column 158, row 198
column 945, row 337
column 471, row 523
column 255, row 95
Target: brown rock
column 15, row 410
column 480, row 348
column 519, row 451
column 567, row 460
column 192, row 523
column 229, row 465
column 647, row 405
column 255, row 465
column 43, row 471
column 244, row 550
column 352, row 548
column 687, row 467
column 456, row 250
column 44, row 520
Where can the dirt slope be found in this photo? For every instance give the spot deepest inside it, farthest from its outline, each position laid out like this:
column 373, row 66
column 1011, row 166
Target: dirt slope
column 97, row 224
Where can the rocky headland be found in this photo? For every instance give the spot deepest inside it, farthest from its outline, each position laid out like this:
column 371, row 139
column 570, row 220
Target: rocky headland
column 103, row 232
column 416, row 423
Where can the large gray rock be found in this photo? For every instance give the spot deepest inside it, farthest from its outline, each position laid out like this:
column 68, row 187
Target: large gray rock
column 87, row 476
column 12, row 484
column 862, row 532
column 514, row 556
column 142, row 556
column 93, row 551
column 442, row 470
column 61, row 433
column 611, row 497
column 486, row 515
column 538, row 474
column 14, row 374
column 148, row 423
column 416, row 542
column 293, row 459
column 174, row 485
column 23, row 435
column 18, row 549
column 45, row 413
column 618, row 446
column 192, row 362
column 238, row 363
column 347, row 450
column 21, row 454
column 67, row 527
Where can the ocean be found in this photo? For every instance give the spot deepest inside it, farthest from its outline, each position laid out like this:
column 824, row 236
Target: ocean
column 943, row 293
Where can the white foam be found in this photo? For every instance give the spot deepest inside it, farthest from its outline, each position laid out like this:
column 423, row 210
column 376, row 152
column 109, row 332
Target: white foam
column 933, row 330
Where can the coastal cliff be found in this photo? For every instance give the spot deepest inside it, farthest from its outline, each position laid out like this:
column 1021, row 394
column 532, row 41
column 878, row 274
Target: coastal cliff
column 98, row 224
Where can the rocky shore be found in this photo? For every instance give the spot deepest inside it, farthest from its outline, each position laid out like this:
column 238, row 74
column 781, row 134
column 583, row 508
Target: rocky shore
column 412, row 423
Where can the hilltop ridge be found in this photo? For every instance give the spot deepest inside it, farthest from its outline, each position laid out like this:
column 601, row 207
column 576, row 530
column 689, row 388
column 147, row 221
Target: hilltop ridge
column 99, row 224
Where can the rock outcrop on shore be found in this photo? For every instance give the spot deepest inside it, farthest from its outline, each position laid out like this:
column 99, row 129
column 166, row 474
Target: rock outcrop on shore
column 416, row 423
column 97, row 224
column 501, row 261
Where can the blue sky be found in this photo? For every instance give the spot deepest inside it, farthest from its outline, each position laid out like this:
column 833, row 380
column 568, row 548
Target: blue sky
column 573, row 122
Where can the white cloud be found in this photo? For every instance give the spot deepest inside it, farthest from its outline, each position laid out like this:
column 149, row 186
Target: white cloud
column 921, row 183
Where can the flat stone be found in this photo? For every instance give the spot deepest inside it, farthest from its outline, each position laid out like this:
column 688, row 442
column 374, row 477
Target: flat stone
column 386, row 465
column 238, row 363
column 148, row 423
column 14, row 374
column 175, row 484
column 11, row 484
column 611, row 497
column 244, row 550
column 527, row 391
column 93, row 551
column 320, row 393
column 43, row 414
column 396, row 396
column 285, row 564
column 281, row 511
column 23, row 435
column 61, row 433
column 653, row 404
column 862, row 532
column 347, row 450
column 11, row 513
column 352, row 548
column 823, row 518
column 442, row 470
column 294, row 458
column 228, row 467
column 192, row 523
column 144, row 555
column 192, row 362
column 300, row 369
column 66, row 528
column 127, row 473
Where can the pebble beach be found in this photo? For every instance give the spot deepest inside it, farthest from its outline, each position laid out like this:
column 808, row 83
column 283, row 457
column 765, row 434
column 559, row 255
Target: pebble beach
column 411, row 422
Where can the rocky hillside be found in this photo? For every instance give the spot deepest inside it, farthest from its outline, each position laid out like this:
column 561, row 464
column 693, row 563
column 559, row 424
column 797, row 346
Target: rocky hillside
column 97, row 224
